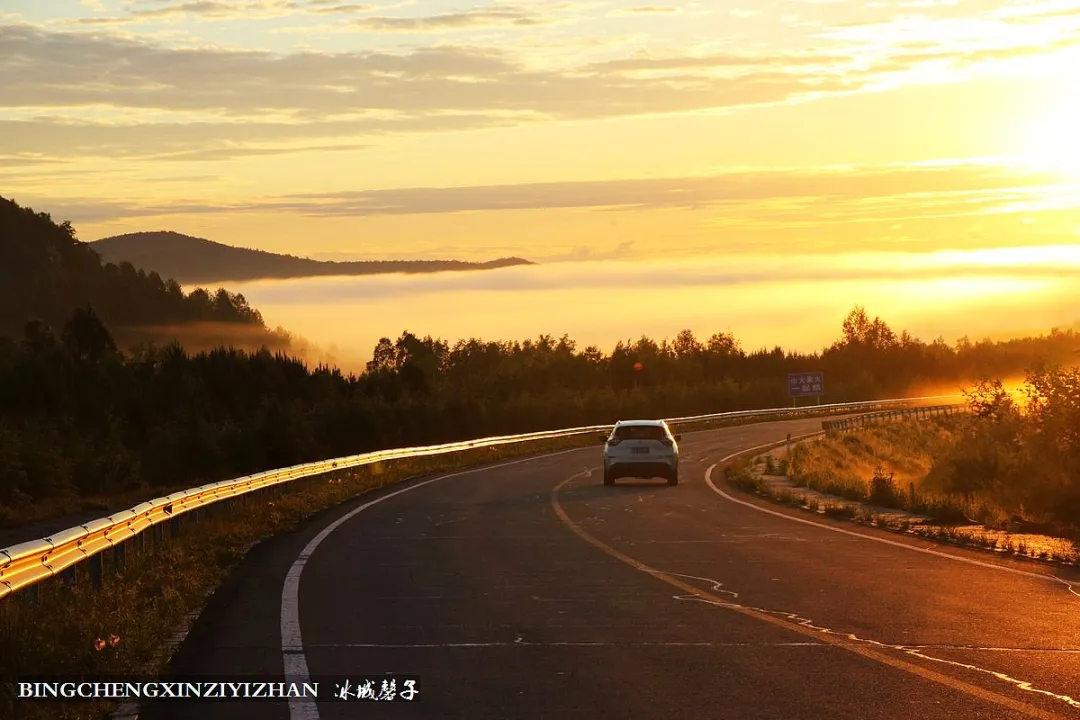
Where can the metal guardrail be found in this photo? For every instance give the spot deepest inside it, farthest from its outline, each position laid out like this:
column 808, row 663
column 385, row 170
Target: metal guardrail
column 28, row 563
column 836, row 427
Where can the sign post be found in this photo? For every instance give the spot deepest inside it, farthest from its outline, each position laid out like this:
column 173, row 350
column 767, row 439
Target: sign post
column 806, row 384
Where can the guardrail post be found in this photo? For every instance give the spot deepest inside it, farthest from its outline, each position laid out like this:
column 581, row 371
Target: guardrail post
column 174, row 527
column 69, row 577
column 159, row 533
column 120, row 554
column 94, row 565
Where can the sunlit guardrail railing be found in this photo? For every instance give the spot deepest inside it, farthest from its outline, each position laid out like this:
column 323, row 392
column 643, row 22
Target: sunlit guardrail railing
column 836, row 427
column 28, row 563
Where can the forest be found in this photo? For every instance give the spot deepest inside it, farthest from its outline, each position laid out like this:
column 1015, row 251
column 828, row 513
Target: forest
column 82, row 415
column 46, row 273
column 79, row 417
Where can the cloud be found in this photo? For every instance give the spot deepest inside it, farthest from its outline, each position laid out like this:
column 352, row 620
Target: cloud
column 785, row 197
column 465, row 20
column 54, row 139
column 23, row 160
column 229, row 153
column 332, row 7
column 811, row 185
column 713, row 61
column 46, row 69
column 198, row 9
column 646, row 10
column 306, row 98
column 974, row 56
column 1028, row 12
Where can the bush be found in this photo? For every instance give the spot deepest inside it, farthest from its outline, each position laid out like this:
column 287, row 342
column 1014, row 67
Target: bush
column 883, row 491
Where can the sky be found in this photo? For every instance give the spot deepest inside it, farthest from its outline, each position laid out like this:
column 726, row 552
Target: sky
column 556, row 130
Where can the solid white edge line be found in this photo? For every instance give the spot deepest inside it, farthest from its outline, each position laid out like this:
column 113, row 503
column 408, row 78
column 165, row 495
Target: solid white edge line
column 866, row 536
column 292, row 643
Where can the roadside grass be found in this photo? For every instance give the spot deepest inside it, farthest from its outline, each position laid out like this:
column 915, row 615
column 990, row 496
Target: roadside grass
column 856, row 473
column 885, row 466
column 123, row 626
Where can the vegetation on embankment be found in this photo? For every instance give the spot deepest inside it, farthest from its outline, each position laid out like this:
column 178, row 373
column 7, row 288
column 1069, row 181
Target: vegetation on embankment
column 139, row 606
column 1010, row 466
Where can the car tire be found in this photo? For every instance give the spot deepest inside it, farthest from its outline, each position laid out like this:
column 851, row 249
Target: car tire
column 609, row 479
column 673, row 479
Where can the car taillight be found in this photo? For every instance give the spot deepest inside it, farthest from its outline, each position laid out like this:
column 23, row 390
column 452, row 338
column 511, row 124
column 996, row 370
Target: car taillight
column 667, row 441
column 613, row 441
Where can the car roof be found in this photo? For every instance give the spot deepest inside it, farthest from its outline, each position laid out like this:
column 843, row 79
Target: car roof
column 652, row 423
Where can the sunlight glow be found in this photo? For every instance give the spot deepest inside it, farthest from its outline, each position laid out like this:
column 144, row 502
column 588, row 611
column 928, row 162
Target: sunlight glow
column 1046, row 255
column 1055, row 138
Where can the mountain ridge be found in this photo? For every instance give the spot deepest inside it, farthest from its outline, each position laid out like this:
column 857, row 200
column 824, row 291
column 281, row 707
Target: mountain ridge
column 189, row 259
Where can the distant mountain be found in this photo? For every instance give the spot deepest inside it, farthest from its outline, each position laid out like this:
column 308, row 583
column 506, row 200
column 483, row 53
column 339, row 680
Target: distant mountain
column 190, row 259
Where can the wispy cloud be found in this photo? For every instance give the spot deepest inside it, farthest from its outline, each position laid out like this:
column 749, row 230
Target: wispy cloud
column 640, row 10
column 56, row 139
column 336, row 8
column 46, row 69
column 780, row 196
column 196, row 9
column 465, row 20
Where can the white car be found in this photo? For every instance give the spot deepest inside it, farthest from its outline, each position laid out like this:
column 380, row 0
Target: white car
column 641, row 449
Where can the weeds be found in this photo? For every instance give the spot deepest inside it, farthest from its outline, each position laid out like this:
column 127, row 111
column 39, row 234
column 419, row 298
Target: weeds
column 840, row 510
column 883, row 491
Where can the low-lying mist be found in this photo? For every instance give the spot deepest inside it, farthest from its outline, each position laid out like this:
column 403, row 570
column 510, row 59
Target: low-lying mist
column 792, row 301
column 206, row 336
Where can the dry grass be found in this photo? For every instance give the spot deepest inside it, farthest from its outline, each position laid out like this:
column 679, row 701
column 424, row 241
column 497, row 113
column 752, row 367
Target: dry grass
column 856, row 473
column 884, row 465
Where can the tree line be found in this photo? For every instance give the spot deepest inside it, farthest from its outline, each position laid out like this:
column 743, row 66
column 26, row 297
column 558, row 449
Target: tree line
column 1020, row 451
column 79, row 417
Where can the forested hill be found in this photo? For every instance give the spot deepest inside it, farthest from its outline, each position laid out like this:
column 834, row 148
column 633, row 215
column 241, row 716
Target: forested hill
column 46, row 273
column 191, row 260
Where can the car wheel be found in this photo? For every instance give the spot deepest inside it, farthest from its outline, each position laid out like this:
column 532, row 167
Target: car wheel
column 673, row 478
column 609, row 479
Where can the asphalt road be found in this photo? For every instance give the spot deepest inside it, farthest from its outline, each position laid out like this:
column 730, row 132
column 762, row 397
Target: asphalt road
column 530, row 590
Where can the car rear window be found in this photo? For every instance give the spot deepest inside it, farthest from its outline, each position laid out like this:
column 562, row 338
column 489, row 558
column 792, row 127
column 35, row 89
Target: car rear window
column 640, row 432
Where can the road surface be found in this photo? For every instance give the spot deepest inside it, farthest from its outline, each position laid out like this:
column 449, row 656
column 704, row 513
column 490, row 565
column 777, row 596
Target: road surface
column 530, row 590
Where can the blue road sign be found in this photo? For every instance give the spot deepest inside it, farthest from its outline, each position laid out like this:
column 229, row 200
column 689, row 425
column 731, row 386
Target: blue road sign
column 808, row 383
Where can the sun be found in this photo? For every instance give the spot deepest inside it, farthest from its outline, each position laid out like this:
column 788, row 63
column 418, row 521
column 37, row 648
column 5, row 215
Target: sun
column 1054, row 137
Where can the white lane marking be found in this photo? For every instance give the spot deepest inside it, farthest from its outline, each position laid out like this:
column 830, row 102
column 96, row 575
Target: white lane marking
column 912, row 650
column 292, row 642
column 717, row 586
column 885, row 541
column 525, row 643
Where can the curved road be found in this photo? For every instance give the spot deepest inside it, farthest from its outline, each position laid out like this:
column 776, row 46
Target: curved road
column 530, row 590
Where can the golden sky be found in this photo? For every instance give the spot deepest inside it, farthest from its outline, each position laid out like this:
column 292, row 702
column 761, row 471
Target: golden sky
column 549, row 129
